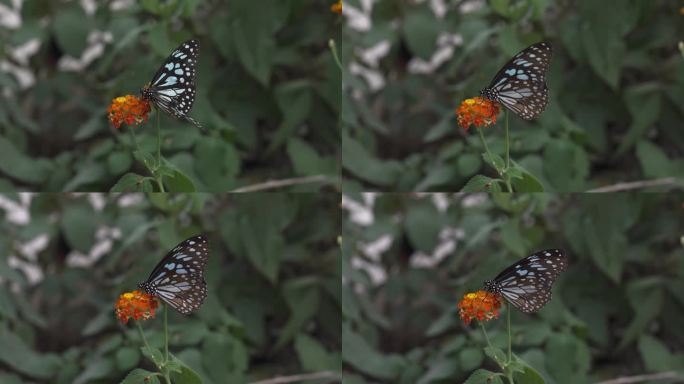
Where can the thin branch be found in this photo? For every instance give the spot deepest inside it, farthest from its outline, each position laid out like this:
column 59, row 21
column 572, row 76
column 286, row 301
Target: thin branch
column 668, row 181
column 300, row 378
column 273, row 184
column 642, row 378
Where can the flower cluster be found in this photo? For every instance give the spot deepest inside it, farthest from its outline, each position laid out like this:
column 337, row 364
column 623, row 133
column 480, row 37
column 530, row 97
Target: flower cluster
column 136, row 305
column 477, row 111
column 337, row 7
column 128, row 109
column 480, row 305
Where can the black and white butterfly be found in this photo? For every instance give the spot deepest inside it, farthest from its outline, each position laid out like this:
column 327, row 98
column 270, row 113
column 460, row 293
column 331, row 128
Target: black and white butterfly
column 527, row 283
column 521, row 84
column 178, row 279
column 172, row 88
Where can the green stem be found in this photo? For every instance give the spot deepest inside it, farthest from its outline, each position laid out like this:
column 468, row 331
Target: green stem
column 158, row 178
column 484, row 332
column 133, row 139
column 166, row 333
column 484, row 143
column 166, row 344
column 509, row 372
column 333, row 49
column 508, row 317
column 507, row 177
column 142, row 336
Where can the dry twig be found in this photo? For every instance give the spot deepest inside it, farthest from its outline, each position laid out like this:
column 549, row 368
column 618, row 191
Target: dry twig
column 642, row 378
column 273, row 184
column 300, row 378
column 619, row 187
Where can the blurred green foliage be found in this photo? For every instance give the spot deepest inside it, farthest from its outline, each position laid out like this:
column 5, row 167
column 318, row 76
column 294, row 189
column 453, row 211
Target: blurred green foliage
column 616, row 92
column 408, row 259
column 268, row 91
column 273, row 276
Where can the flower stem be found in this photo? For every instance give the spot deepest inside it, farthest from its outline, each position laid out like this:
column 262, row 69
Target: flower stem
column 157, row 177
column 507, row 176
column 133, row 140
column 484, row 332
column 509, row 372
column 484, row 143
column 142, row 336
column 333, row 49
column 508, row 318
column 166, row 343
column 166, row 333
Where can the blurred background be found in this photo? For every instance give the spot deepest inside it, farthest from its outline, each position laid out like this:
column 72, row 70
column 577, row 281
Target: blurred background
column 273, row 277
column 409, row 258
column 268, row 91
column 616, row 91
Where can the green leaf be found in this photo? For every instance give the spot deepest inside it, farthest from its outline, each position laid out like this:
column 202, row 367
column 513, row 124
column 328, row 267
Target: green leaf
column 294, row 101
column 357, row 352
column 303, row 299
column 252, row 37
column 127, row 358
column 483, row 376
column 480, row 183
column 495, row 161
column 87, row 174
column 470, row 358
column 421, row 30
column 21, row 167
column 423, row 224
column 653, row 160
column 224, row 357
column 468, row 164
column 306, row 160
column 314, row 357
column 119, row 162
column 178, row 182
column 512, row 238
column 568, row 358
column 655, row 354
column 528, row 183
column 71, row 26
column 645, row 105
column 132, row 182
column 357, row 160
column 528, row 376
column 79, row 223
column 186, row 375
column 140, row 376
column 153, row 354
column 496, row 354
column 16, row 354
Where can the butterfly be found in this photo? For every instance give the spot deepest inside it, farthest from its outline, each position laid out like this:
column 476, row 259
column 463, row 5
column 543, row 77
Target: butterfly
column 521, row 84
column 172, row 88
column 527, row 283
column 178, row 279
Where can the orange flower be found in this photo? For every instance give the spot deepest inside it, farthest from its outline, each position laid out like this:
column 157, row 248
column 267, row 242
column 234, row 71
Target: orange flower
column 337, row 8
column 681, row 10
column 480, row 305
column 477, row 111
column 128, row 109
column 137, row 305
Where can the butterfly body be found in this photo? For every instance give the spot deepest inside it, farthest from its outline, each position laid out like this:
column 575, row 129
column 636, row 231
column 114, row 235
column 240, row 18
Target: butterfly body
column 520, row 85
column 527, row 283
column 178, row 279
column 172, row 88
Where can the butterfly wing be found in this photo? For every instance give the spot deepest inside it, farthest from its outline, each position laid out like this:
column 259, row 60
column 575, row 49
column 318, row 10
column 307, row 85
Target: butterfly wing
column 172, row 88
column 520, row 85
column 527, row 283
column 178, row 279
